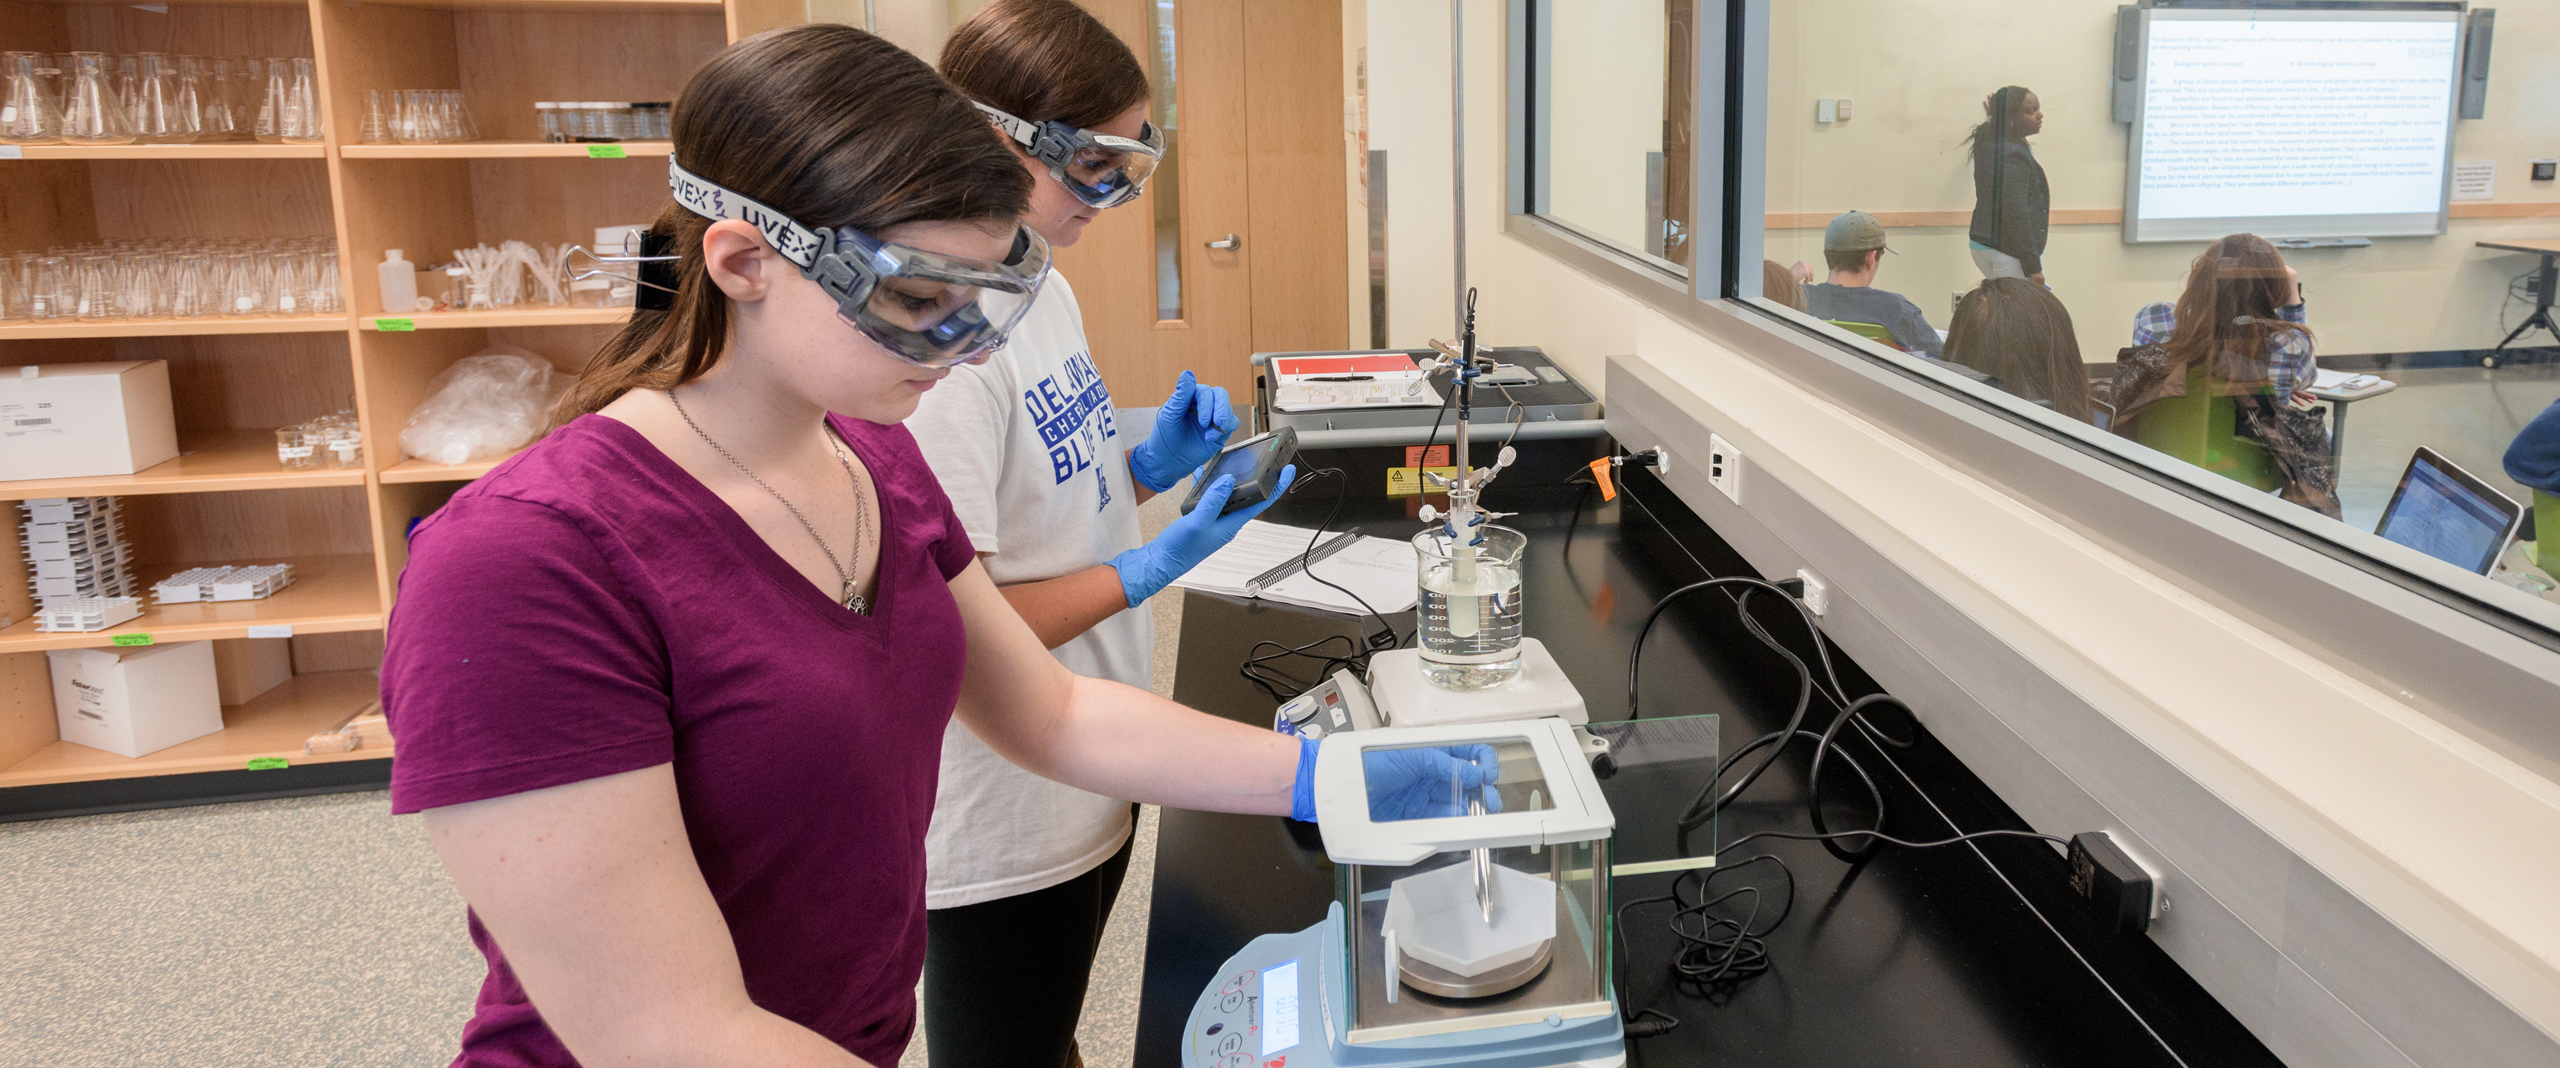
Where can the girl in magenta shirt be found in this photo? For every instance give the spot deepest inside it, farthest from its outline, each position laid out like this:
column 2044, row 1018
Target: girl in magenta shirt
column 670, row 686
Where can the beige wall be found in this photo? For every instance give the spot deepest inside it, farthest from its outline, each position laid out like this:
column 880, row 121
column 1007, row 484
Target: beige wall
column 1607, row 108
column 915, row 25
column 1918, row 72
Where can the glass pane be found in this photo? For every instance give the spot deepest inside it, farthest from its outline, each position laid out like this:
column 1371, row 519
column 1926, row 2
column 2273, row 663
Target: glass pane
column 1441, row 781
column 1610, row 145
column 1164, row 191
column 2276, row 252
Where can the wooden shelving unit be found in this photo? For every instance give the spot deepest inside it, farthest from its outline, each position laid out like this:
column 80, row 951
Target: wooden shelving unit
column 225, row 499
column 509, row 150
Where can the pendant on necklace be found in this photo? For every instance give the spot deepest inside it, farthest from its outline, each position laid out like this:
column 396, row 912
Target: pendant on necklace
column 859, row 604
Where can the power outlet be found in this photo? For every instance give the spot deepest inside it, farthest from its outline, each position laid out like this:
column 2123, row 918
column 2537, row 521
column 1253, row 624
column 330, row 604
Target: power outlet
column 1817, row 593
column 1724, row 467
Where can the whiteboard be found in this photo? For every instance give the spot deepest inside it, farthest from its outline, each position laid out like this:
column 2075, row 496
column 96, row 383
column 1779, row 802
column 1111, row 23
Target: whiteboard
column 2293, row 120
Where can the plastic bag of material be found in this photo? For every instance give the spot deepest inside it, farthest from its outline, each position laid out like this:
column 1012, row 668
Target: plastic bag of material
column 486, row 405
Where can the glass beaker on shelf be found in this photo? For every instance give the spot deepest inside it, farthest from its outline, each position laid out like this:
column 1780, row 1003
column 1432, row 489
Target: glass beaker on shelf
column 92, row 113
column 244, row 285
column 320, row 275
column 296, row 448
column 139, row 289
column 96, row 297
column 300, row 123
column 29, row 110
column 1470, row 606
column 286, row 292
column 158, row 107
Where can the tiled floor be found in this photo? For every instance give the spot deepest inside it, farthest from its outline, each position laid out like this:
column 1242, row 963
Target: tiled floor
column 317, row 931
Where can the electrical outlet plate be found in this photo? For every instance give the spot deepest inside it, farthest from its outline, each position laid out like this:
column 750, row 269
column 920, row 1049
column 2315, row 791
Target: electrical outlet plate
column 1661, row 464
column 1724, row 467
column 1817, row 593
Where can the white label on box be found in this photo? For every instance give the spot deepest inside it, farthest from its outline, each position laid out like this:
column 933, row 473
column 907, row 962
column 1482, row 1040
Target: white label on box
column 271, row 630
column 38, row 418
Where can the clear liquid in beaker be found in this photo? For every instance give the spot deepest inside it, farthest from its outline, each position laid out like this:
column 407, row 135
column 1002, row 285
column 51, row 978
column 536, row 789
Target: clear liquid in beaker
column 1479, row 647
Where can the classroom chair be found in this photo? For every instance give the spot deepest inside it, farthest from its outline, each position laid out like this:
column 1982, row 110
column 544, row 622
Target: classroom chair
column 2202, row 430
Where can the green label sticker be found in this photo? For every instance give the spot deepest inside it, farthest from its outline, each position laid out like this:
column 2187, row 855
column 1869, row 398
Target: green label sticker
column 393, row 326
column 131, row 639
column 606, row 152
column 267, row 763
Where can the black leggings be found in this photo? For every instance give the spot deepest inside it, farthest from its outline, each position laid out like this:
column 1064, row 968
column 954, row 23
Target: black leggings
column 1004, row 980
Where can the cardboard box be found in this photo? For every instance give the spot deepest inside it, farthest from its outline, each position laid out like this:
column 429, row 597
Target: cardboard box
column 134, row 702
column 78, row 420
column 247, row 667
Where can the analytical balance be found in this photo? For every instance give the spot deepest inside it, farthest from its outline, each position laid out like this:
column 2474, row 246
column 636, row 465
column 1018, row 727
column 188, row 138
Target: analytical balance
column 1477, row 939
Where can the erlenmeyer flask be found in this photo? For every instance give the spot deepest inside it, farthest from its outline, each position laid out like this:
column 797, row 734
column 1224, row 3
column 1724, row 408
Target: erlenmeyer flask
column 376, row 129
column 160, row 117
column 271, row 93
column 192, row 288
column 126, row 78
column 97, row 295
column 92, row 114
column 191, row 93
column 322, row 271
column 244, row 285
column 286, row 291
column 53, row 294
column 28, row 114
column 299, row 121
column 458, row 124
column 139, row 289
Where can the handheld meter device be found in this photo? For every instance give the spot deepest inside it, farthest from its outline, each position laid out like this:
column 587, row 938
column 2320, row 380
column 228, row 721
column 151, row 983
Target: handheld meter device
column 1256, row 462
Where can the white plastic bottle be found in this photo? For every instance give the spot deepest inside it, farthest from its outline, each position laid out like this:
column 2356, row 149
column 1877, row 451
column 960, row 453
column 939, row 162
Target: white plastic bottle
column 399, row 283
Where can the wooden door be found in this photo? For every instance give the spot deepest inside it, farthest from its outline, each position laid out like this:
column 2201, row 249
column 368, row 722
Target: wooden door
column 1256, row 155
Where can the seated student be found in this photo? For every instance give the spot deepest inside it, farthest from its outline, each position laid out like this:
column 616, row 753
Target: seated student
column 1854, row 247
column 2019, row 333
column 2240, row 286
column 2533, row 458
column 1780, row 284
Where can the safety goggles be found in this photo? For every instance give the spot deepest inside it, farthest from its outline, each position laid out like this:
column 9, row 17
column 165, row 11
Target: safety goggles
column 925, row 306
column 1101, row 170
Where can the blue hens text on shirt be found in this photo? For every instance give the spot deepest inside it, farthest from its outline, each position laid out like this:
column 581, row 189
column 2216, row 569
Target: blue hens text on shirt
column 1073, row 411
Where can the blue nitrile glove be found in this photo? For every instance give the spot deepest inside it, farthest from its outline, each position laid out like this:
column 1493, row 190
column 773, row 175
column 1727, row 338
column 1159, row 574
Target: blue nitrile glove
column 1201, row 531
column 1302, row 794
column 1414, row 784
column 1190, row 429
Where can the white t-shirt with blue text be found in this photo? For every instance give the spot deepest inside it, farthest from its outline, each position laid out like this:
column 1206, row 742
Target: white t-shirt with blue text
column 1037, row 470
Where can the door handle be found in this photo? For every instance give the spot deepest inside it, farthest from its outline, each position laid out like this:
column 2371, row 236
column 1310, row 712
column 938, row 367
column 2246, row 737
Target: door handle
column 1228, row 244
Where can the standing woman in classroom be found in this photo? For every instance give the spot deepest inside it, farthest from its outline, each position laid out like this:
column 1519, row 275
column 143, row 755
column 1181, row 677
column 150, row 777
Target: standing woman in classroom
column 2012, row 206
column 1022, row 871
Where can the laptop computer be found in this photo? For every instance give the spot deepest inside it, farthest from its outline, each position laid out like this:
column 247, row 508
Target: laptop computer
column 2446, row 512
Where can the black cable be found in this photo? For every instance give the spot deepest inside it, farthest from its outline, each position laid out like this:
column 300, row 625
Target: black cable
column 1258, row 666
column 1891, row 840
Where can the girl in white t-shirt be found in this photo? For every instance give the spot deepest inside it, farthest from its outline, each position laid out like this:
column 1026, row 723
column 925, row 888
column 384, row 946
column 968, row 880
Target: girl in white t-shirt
column 1022, row 871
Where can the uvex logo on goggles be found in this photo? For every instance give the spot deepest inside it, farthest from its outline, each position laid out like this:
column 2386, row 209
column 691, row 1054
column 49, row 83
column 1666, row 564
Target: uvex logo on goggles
column 797, row 243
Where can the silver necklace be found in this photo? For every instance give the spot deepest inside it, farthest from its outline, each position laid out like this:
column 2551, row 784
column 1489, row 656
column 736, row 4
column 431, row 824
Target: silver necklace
column 861, row 515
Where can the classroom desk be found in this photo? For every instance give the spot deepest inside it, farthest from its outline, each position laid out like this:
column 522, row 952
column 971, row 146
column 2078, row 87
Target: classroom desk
column 1951, row 956
column 2338, row 401
column 2549, row 276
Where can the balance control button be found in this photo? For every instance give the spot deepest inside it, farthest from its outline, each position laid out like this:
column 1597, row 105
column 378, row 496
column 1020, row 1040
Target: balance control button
column 1231, row 1043
column 1231, row 1003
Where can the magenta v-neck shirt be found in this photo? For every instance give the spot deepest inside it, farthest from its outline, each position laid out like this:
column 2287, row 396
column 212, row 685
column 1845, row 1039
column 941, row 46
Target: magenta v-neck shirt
column 588, row 608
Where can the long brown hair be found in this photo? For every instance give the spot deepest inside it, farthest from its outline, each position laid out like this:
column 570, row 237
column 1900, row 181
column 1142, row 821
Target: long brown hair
column 2019, row 332
column 829, row 125
column 2228, row 313
column 1781, row 285
column 1045, row 61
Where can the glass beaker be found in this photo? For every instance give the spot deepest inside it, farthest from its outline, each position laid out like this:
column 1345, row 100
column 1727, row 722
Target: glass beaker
column 320, row 274
column 1470, row 607
column 191, row 92
column 96, row 297
column 287, row 294
column 92, row 113
column 28, row 111
column 295, row 447
column 158, row 107
column 299, row 122
column 140, row 291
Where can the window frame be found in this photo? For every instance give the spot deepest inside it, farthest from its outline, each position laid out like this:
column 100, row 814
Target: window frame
column 2391, row 616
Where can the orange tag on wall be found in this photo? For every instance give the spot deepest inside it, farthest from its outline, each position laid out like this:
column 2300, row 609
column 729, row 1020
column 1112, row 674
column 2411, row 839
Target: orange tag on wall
column 1600, row 474
column 1414, row 456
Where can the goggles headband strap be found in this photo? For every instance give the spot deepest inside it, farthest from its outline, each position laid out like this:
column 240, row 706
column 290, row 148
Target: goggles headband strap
column 795, row 242
column 1020, row 129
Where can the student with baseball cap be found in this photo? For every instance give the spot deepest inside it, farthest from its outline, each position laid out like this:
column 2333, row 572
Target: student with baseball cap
column 1854, row 246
